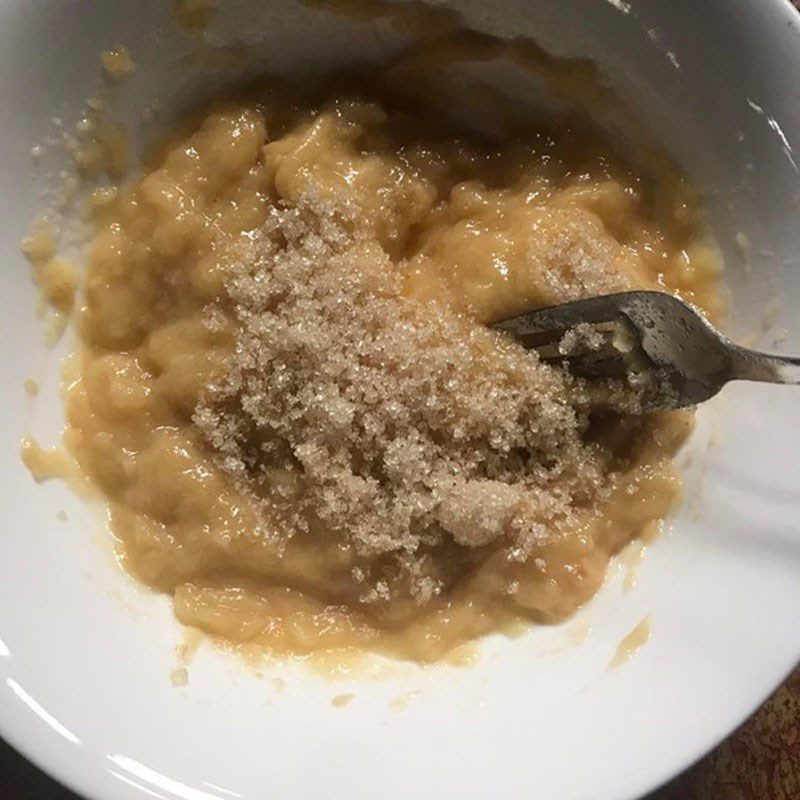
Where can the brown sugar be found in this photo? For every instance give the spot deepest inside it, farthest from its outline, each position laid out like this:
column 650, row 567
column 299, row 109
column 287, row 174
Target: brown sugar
column 403, row 424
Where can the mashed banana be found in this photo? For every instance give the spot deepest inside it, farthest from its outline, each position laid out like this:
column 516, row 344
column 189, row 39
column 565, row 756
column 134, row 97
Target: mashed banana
column 306, row 433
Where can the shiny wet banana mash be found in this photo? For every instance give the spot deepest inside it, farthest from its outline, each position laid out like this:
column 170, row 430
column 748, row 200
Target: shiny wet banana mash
column 306, row 433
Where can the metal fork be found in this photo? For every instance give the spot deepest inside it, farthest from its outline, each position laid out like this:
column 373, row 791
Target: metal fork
column 646, row 335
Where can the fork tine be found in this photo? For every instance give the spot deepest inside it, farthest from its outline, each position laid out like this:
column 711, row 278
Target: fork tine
column 562, row 317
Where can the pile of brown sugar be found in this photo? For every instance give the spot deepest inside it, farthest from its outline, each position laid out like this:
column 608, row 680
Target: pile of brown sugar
column 399, row 426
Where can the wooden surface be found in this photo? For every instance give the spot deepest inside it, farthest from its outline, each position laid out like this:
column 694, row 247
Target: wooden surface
column 761, row 761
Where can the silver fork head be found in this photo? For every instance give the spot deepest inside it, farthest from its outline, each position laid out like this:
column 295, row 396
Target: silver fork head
column 646, row 334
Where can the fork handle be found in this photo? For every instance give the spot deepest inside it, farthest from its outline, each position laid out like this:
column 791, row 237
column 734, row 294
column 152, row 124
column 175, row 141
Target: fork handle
column 752, row 365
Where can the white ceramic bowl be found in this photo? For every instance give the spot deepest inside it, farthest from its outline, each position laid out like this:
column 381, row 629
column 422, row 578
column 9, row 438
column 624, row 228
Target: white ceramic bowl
column 85, row 656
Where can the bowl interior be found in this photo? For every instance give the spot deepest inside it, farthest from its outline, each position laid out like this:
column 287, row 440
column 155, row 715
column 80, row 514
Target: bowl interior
column 86, row 656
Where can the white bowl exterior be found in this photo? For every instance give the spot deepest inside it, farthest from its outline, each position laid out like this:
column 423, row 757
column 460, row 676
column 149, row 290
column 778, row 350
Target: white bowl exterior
column 85, row 655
